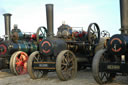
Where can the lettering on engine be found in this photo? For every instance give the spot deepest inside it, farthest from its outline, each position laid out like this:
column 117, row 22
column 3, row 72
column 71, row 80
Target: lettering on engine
column 116, row 67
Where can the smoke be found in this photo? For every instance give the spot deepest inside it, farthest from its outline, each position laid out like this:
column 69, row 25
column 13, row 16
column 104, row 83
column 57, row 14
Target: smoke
column 2, row 10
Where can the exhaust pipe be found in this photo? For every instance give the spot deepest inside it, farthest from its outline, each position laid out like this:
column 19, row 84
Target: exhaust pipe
column 124, row 16
column 49, row 15
column 7, row 18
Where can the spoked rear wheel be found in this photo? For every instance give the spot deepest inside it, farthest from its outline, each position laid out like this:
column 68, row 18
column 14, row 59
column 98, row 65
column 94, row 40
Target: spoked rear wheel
column 66, row 65
column 18, row 63
column 35, row 73
column 101, row 77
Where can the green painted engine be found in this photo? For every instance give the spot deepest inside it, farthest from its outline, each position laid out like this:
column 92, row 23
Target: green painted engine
column 17, row 46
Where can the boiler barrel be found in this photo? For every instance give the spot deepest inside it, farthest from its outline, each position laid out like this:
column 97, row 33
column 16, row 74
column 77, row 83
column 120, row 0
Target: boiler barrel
column 26, row 47
column 8, row 48
column 118, row 44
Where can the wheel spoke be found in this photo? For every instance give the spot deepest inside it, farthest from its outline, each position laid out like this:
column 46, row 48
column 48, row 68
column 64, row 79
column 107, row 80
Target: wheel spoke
column 71, row 59
column 19, row 69
column 65, row 59
column 64, row 64
column 101, row 76
column 62, row 67
column 21, row 57
column 38, row 73
column 92, row 30
column 68, row 73
column 95, row 28
column 67, row 56
column 17, row 59
column 35, row 58
column 68, row 59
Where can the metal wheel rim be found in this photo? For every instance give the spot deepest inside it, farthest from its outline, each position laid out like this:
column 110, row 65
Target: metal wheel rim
column 11, row 62
column 35, row 73
column 67, row 66
column 20, row 63
column 104, row 76
column 101, row 77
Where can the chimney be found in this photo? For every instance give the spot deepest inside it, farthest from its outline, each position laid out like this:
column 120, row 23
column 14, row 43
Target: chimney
column 49, row 15
column 124, row 16
column 7, row 18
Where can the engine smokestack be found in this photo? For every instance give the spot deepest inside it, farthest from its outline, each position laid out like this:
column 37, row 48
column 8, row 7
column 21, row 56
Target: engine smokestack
column 124, row 16
column 49, row 15
column 7, row 18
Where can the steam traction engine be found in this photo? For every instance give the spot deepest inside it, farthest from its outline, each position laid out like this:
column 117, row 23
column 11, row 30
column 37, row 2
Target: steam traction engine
column 62, row 53
column 113, row 60
column 16, row 47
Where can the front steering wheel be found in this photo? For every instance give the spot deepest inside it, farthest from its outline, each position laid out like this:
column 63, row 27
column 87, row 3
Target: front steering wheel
column 93, row 33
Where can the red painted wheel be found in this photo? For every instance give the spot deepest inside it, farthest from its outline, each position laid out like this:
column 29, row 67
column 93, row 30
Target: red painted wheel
column 19, row 63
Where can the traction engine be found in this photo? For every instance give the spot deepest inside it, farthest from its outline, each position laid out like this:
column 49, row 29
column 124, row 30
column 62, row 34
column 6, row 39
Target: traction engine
column 113, row 60
column 64, row 52
column 17, row 46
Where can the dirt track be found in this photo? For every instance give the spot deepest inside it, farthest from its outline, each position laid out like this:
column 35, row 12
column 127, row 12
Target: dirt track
column 84, row 77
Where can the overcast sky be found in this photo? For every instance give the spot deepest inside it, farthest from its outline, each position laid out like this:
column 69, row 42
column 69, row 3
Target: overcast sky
column 30, row 14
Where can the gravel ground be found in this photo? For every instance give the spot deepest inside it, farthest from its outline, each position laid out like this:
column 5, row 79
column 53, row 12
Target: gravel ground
column 84, row 77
